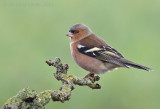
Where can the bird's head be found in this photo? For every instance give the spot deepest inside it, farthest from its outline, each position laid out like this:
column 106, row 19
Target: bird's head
column 79, row 31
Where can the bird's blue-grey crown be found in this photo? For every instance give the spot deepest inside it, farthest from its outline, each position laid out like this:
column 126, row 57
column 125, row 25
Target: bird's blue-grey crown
column 82, row 26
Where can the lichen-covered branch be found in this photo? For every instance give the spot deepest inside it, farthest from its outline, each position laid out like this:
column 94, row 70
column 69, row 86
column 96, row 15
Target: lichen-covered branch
column 30, row 99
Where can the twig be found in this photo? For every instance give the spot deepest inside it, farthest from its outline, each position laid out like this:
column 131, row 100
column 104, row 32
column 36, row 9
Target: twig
column 30, row 99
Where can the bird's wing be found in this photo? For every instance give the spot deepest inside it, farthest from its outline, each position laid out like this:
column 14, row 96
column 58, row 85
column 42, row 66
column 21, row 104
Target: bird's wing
column 101, row 52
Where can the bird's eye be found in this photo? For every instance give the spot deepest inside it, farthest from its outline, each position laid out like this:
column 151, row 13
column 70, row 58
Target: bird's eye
column 72, row 31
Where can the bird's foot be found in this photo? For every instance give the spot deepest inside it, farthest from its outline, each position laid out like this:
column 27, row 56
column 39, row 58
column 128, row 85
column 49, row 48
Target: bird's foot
column 92, row 77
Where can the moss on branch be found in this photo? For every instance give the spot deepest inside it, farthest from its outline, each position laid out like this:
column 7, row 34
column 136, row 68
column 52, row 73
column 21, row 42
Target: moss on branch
column 30, row 99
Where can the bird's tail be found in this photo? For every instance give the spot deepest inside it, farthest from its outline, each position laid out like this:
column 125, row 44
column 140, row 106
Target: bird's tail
column 135, row 65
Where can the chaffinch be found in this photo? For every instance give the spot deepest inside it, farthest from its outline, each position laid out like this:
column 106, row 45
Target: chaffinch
column 93, row 54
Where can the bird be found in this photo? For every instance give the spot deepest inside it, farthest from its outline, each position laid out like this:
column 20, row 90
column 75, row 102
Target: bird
column 93, row 54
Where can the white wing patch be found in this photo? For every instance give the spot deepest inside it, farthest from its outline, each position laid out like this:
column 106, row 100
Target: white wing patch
column 80, row 46
column 88, row 51
column 93, row 49
column 94, row 54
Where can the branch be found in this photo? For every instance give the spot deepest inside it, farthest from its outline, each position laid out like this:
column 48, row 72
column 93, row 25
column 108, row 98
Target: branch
column 30, row 99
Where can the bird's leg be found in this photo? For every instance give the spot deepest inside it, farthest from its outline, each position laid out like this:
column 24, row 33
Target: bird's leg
column 92, row 77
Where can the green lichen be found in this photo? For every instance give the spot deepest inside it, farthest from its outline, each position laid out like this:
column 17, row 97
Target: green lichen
column 45, row 96
column 25, row 99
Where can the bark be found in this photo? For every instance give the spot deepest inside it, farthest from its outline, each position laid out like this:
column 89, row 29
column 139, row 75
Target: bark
column 30, row 99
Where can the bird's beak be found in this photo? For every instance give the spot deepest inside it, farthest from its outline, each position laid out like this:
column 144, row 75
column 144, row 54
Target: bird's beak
column 70, row 34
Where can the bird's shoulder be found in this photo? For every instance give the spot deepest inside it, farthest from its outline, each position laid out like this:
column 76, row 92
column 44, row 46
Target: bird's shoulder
column 92, row 41
column 96, row 47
